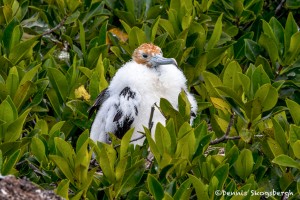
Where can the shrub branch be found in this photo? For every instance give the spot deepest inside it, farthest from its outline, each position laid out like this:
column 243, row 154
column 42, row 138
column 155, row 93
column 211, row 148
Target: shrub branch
column 61, row 23
column 226, row 136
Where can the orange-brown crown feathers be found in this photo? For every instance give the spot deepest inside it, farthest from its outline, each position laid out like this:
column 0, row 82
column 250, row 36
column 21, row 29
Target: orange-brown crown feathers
column 145, row 52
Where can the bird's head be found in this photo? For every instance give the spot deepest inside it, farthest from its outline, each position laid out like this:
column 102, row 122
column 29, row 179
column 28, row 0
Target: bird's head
column 151, row 56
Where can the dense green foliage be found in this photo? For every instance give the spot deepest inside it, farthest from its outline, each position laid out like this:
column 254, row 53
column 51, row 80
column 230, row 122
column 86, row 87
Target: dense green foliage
column 242, row 62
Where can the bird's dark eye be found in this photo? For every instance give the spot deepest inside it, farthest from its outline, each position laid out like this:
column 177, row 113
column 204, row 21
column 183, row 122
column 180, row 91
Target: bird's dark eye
column 145, row 55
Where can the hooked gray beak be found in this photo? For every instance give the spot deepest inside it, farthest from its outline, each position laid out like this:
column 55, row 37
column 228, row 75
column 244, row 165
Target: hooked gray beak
column 159, row 60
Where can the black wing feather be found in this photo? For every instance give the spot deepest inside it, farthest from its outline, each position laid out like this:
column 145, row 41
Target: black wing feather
column 103, row 96
column 125, row 125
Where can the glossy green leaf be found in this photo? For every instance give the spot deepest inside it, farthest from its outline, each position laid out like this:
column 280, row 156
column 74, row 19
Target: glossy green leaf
column 107, row 159
column 167, row 26
column 274, row 147
column 65, row 150
column 63, row 188
column 58, row 82
column 259, row 78
column 296, row 149
column 221, row 173
column 212, row 81
column 172, row 49
column 231, row 76
column 155, row 188
column 180, row 193
column 29, row 75
column 270, row 46
column 125, row 143
column 38, row 149
column 291, row 4
column 132, row 177
column 280, row 136
column 82, row 38
column 162, row 139
column 286, row 161
column 244, row 164
column 294, row 50
column 267, row 96
column 14, row 130
column 294, row 134
column 22, row 50
column 291, row 28
column 136, row 37
column 10, row 163
column 252, row 49
column 294, row 109
column 215, row 37
column 12, row 81
column 24, row 92
column 54, row 100
column 63, row 165
column 200, row 188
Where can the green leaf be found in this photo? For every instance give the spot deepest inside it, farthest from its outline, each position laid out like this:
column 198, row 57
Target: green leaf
column 12, row 82
column 270, row 46
column 274, row 147
column 100, row 69
column 180, row 193
column 56, row 127
column 10, row 163
column 200, row 188
column 267, row 96
column 292, row 4
column 65, row 150
column 294, row 50
column 294, row 134
column 296, row 149
column 152, row 145
column 280, row 136
column 278, row 31
column 63, row 188
column 215, row 37
column 155, row 188
column 286, row 161
column 24, row 92
column 29, row 75
column 172, row 49
column 167, row 26
column 82, row 37
column 132, row 177
column 221, row 173
column 291, row 28
column 38, row 149
column 107, row 158
column 63, row 165
column 58, row 82
column 232, row 94
column 14, row 130
column 211, row 82
column 294, row 109
column 231, row 77
column 94, row 55
column 136, row 37
column 162, row 139
column 22, row 50
column 259, row 78
column 252, row 49
column 244, row 164
column 53, row 98
column 125, row 143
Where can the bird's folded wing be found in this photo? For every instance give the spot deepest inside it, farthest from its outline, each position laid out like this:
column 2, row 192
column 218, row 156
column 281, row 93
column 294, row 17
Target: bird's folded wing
column 117, row 112
column 98, row 102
